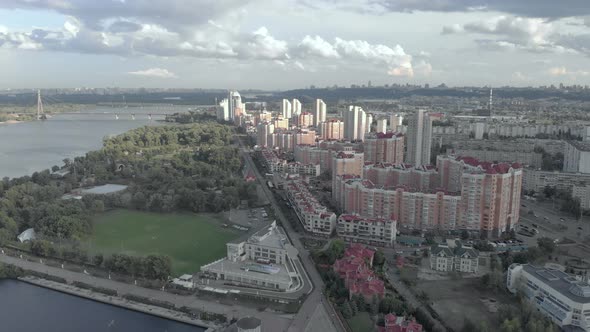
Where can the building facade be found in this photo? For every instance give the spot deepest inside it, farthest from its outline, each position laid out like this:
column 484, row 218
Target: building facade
column 576, row 157
column 355, row 123
column 319, row 115
column 384, row 148
column 418, row 138
column 444, row 258
column 560, row 296
column 314, row 217
column 373, row 231
column 331, row 130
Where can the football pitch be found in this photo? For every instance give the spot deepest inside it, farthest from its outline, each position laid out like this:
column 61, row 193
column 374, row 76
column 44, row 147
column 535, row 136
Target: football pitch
column 191, row 240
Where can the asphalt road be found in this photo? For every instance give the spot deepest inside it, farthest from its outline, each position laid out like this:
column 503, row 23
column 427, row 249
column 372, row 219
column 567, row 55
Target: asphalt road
column 547, row 218
column 309, row 307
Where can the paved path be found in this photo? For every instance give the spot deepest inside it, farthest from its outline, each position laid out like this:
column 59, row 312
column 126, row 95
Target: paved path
column 271, row 321
column 309, row 307
column 407, row 294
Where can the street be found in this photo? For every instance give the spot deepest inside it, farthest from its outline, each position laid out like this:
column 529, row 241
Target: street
column 315, row 298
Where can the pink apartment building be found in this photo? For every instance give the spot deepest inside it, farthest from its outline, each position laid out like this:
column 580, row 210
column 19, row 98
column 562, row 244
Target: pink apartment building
column 384, row 148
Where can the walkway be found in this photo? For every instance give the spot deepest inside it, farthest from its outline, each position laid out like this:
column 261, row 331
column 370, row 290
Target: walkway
column 271, row 321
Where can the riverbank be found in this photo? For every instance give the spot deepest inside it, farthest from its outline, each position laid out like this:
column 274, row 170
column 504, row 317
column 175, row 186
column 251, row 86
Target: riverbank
column 120, row 302
column 9, row 122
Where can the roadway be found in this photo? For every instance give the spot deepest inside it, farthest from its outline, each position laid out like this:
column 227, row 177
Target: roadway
column 315, row 301
column 547, row 218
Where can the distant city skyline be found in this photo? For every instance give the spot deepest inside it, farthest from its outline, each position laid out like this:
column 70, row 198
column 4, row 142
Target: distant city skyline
column 279, row 45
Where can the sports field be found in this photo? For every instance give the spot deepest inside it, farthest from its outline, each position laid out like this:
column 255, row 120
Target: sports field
column 191, row 240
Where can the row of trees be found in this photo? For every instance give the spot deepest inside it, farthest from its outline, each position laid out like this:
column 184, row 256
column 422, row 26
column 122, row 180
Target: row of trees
column 150, row 267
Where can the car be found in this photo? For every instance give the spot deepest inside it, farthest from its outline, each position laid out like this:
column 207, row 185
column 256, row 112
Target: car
column 534, row 225
column 523, row 205
column 580, row 227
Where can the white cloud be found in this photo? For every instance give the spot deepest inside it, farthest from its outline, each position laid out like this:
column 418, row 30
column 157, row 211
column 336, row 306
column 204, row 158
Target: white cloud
column 316, row 46
column 451, row 29
column 154, row 72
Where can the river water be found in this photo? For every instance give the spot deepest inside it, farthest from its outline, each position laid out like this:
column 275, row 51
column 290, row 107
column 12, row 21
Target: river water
column 37, row 145
column 29, row 308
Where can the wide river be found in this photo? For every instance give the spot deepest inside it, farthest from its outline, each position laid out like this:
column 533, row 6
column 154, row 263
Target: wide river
column 37, row 145
column 30, row 308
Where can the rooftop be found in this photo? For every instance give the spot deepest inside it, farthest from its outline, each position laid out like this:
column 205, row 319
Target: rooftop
column 562, row 282
column 582, row 146
column 104, row 189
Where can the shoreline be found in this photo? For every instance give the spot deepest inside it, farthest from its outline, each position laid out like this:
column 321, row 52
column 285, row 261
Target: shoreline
column 120, row 302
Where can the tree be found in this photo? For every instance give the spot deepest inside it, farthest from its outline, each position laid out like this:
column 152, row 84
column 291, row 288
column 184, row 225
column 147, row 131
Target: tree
column 549, row 191
column 98, row 259
column 512, row 325
column 469, row 326
column 546, row 245
column 346, row 310
column 374, row 307
column 379, row 258
column 464, row 235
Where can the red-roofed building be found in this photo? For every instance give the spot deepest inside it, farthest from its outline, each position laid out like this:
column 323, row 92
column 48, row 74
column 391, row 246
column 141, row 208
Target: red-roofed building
column 399, row 324
column 355, row 269
column 490, row 192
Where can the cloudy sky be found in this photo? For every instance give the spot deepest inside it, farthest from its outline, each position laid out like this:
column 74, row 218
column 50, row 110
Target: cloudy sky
column 283, row 44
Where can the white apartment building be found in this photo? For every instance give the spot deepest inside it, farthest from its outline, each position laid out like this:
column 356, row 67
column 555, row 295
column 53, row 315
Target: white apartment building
column 314, row 217
column 381, row 126
column 576, row 157
column 296, row 107
column 286, row 109
column 418, row 138
column 561, row 297
column 537, row 180
column 355, row 123
column 282, row 167
column 373, row 231
column 582, row 192
column 319, row 115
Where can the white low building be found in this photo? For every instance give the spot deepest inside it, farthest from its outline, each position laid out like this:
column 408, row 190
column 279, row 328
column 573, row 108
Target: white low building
column 563, row 298
column 447, row 258
column 262, row 260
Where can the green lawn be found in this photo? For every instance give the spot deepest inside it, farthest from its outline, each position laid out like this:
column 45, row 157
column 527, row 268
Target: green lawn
column 191, row 240
column 361, row 322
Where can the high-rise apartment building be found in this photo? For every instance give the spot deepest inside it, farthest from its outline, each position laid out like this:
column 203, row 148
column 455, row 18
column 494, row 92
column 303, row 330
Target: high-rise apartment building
column 286, row 109
column 262, row 131
column 576, row 157
column 296, row 107
column 231, row 107
column 281, row 123
column 488, row 199
column 355, row 123
column 368, row 124
column 305, row 120
column 419, row 138
column 384, row 148
column 319, row 115
column 332, row 130
column 381, row 126
column 347, row 163
column 395, row 121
